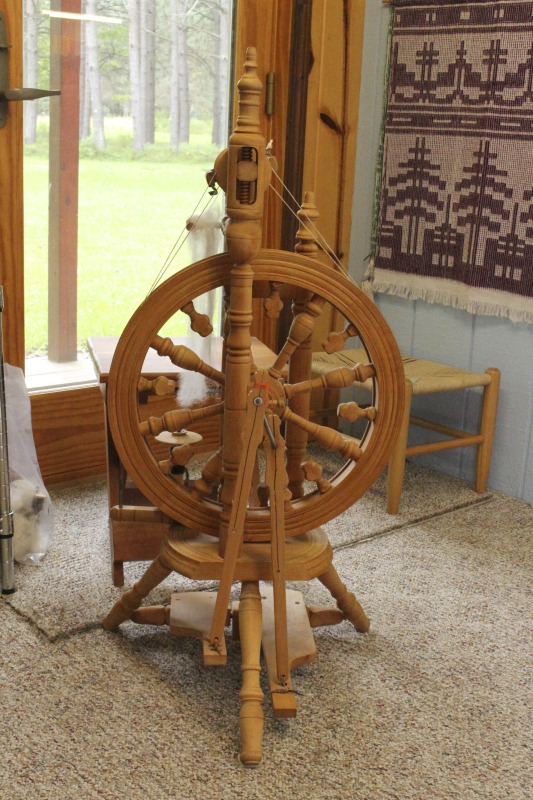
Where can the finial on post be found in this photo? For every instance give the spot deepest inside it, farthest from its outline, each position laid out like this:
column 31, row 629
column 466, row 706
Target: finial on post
column 306, row 244
column 250, row 89
column 243, row 170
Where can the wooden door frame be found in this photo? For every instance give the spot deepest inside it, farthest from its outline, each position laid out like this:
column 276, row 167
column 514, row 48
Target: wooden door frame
column 325, row 77
column 11, row 199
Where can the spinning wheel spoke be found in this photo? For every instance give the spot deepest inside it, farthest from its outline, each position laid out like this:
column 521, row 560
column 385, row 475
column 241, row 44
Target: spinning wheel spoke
column 352, row 411
column 200, row 323
column 336, row 379
column 314, row 472
column 180, row 455
column 177, row 420
column 327, row 437
column 337, row 339
column 301, row 329
column 273, row 304
column 184, row 357
column 161, row 386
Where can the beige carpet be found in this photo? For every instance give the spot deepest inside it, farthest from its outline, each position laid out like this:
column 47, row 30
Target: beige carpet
column 431, row 704
column 71, row 590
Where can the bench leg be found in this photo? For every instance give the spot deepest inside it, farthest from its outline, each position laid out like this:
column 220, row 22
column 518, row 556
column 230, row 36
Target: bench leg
column 488, row 423
column 397, row 460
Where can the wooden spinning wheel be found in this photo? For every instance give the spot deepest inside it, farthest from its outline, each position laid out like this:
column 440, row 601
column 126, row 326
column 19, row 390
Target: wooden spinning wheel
column 252, row 511
column 186, row 503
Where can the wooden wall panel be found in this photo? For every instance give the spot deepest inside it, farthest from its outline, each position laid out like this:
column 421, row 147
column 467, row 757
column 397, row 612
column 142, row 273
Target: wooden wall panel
column 332, row 117
column 266, row 25
column 68, row 429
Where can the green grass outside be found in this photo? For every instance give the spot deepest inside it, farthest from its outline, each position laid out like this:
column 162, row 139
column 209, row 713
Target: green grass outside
column 131, row 212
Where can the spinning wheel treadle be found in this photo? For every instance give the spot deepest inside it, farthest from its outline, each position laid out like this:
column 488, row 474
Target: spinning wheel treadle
column 251, row 513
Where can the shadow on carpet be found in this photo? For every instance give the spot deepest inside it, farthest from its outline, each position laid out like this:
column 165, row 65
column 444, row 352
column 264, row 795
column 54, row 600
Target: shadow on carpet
column 72, row 591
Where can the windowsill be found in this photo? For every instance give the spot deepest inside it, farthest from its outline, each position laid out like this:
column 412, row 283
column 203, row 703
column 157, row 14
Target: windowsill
column 43, row 375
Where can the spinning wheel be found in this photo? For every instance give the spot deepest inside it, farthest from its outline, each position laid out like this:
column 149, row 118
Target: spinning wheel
column 191, row 505
column 252, row 510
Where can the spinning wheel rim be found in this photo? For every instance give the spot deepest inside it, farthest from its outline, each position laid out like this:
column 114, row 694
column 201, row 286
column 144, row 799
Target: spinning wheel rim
column 306, row 513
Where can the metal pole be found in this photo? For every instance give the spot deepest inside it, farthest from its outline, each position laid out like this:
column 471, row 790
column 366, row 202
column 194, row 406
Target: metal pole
column 7, row 566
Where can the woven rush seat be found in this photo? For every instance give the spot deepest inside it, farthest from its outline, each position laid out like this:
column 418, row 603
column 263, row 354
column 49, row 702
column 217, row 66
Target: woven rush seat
column 429, row 377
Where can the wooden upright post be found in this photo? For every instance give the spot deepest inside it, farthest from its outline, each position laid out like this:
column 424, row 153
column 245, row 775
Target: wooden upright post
column 300, row 363
column 243, row 171
column 63, row 204
column 11, row 196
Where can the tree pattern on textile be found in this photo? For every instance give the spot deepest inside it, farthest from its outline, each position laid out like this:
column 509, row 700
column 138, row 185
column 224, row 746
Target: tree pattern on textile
column 457, row 185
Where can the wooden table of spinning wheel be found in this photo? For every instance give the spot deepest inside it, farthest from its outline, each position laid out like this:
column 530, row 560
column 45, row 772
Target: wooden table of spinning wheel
column 136, row 527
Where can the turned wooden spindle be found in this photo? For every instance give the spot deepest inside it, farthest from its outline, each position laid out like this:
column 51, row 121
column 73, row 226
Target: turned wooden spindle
column 184, row 357
column 200, row 323
column 132, row 599
column 243, row 171
column 273, row 304
column 335, row 379
column 327, row 437
column 301, row 329
column 352, row 411
column 178, row 419
column 211, row 472
column 161, row 386
column 306, row 307
column 251, row 694
column 346, row 601
column 313, row 472
column 306, row 244
column 179, row 457
column 301, row 359
column 337, row 339
column 152, row 615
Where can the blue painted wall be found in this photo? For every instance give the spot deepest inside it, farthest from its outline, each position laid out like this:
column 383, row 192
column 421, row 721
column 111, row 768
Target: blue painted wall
column 441, row 333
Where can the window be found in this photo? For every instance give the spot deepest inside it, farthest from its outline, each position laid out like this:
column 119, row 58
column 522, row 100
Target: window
column 115, row 165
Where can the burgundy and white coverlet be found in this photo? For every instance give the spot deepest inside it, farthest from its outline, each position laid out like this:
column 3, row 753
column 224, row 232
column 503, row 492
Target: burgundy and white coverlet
column 456, row 200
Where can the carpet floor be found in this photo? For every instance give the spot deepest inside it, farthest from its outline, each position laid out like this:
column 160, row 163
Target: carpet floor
column 72, row 590
column 432, row 704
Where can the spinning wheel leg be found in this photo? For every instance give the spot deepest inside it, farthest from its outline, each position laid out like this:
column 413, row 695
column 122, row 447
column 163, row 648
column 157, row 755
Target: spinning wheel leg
column 251, row 714
column 132, row 599
column 346, row 601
